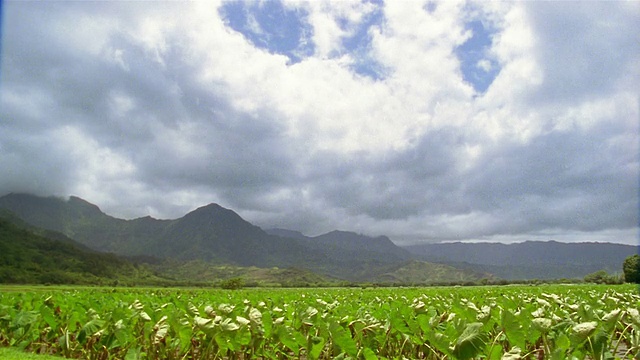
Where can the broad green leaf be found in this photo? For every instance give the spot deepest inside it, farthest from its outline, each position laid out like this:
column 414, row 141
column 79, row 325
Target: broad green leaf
column 243, row 337
column 287, row 339
column 24, row 318
column 316, row 345
column 133, row 354
column 184, row 335
column 342, row 338
column 92, row 326
column 470, row 342
column 369, row 354
column 597, row 344
column 267, row 325
column 512, row 328
column 494, row 352
column 48, row 316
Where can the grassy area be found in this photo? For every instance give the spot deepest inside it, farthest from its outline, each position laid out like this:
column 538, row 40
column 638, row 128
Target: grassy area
column 17, row 354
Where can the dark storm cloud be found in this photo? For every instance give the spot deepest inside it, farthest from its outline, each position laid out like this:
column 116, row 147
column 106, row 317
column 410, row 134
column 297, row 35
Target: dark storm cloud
column 400, row 184
column 566, row 180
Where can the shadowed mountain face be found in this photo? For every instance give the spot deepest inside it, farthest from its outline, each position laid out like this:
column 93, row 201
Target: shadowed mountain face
column 345, row 245
column 365, row 258
column 210, row 233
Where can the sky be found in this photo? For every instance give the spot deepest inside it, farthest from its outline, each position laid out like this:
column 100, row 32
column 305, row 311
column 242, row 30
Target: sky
column 424, row 121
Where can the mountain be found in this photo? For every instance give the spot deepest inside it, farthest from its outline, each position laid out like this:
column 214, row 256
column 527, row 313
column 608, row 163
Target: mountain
column 219, row 236
column 530, row 259
column 26, row 256
column 359, row 257
column 84, row 222
column 364, row 257
column 345, row 245
column 211, row 234
column 31, row 255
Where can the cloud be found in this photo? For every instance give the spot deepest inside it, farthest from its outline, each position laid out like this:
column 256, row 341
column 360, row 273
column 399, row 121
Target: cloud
column 352, row 115
column 584, row 50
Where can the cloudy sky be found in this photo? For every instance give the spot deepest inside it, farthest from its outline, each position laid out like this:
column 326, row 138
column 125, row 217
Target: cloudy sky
column 424, row 121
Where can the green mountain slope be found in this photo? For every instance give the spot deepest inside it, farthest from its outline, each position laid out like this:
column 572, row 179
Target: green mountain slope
column 210, row 233
column 27, row 257
column 213, row 235
column 85, row 223
column 420, row 272
column 250, row 275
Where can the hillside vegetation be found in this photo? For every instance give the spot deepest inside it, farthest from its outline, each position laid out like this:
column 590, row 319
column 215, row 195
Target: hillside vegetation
column 195, row 247
column 26, row 257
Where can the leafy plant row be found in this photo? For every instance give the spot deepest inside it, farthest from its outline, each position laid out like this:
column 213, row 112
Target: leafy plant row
column 562, row 322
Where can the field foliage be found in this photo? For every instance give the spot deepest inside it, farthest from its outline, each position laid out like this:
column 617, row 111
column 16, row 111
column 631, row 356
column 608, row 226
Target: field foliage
column 547, row 322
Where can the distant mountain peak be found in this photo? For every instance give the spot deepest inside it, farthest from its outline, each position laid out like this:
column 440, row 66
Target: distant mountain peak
column 215, row 210
column 84, row 205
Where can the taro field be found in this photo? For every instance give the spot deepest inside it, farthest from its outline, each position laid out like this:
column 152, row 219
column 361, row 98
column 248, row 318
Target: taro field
column 511, row 322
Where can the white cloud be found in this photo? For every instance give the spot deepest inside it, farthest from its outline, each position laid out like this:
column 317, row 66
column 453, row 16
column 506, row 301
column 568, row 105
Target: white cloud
column 170, row 109
column 332, row 22
column 484, row 64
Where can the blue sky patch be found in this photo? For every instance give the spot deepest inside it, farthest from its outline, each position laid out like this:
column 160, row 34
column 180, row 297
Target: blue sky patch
column 271, row 26
column 359, row 45
column 478, row 68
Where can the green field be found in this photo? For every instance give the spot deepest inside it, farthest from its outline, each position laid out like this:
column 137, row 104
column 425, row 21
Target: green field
column 511, row 322
column 17, row 354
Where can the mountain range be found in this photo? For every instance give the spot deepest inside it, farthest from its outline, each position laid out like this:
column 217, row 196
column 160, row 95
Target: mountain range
column 529, row 259
column 217, row 236
column 212, row 236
